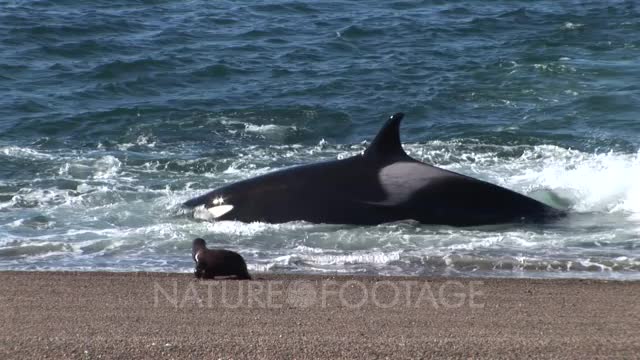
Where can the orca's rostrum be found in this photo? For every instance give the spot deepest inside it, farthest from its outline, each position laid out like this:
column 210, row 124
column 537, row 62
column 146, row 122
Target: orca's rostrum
column 383, row 184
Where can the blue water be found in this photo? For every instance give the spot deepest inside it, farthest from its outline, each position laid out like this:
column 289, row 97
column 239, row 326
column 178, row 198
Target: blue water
column 115, row 112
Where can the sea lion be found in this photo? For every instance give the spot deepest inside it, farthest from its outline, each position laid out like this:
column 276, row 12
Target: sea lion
column 217, row 262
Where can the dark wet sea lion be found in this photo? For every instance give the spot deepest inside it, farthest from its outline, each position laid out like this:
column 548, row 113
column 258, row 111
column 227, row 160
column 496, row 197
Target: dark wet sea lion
column 217, row 262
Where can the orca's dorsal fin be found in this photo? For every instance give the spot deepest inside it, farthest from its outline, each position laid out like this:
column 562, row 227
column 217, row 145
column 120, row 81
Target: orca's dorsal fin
column 387, row 142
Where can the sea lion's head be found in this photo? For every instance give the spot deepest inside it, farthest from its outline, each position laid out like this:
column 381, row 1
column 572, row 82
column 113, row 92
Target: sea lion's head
column 198, row 244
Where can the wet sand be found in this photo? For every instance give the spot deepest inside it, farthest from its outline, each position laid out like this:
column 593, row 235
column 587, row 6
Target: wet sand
column 155, row 315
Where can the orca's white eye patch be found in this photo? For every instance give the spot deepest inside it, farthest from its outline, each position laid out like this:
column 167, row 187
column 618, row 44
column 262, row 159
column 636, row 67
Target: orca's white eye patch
column 217, row 211
column 217, row 201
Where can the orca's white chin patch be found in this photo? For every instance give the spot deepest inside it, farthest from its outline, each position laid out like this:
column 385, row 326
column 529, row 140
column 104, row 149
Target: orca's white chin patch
column 212, row 213
column 218, row 211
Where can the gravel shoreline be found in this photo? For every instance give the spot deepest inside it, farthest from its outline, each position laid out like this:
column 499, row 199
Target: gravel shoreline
column 160, row 315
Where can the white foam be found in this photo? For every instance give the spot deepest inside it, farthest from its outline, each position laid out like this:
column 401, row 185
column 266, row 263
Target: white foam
column 142, row 140
column 270, row 130
column 364, row 257
column 107, row 167
column 248, row 229
column 572, row 26
column 595, row 182
column 24, row 153
column 267, row 129
column 31, row 198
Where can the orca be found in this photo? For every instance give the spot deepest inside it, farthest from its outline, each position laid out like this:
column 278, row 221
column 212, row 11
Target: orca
column 383, row 184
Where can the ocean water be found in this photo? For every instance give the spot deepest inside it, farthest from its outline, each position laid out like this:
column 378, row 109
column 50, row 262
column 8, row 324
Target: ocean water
column 112, row 113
